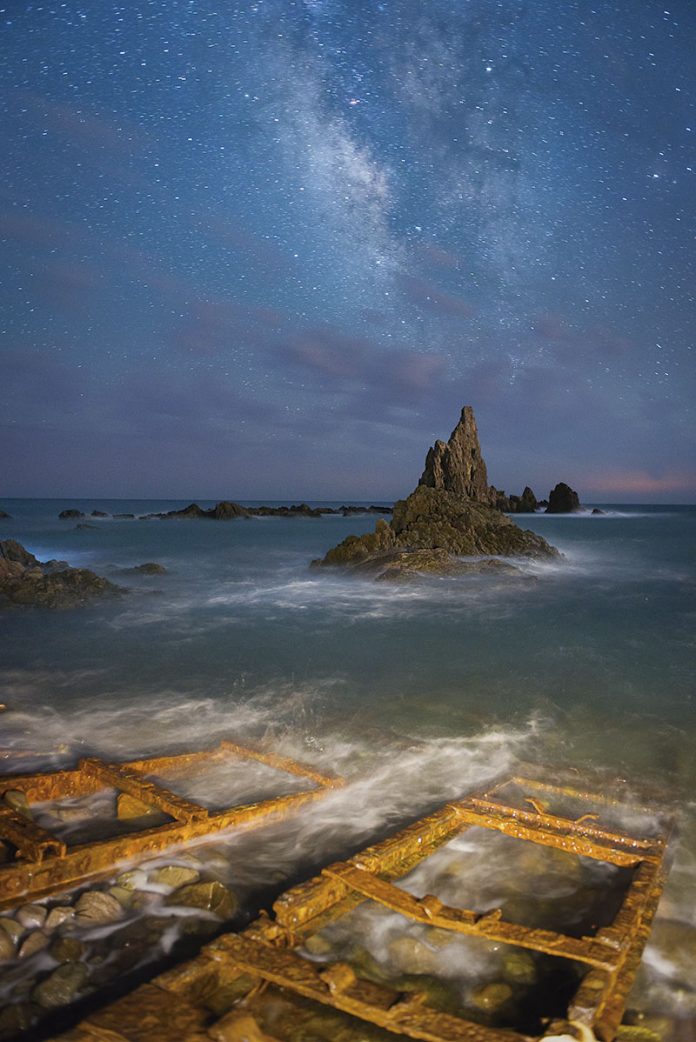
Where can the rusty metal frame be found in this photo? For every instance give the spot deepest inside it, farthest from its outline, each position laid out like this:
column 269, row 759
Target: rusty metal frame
column 45, row 864
column 177, row 1006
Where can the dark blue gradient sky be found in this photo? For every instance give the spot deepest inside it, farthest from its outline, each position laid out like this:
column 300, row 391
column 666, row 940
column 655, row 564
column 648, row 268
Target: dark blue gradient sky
column 269, row 249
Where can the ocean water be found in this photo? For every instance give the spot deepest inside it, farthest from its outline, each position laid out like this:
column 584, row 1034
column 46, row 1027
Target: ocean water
column 416, row 693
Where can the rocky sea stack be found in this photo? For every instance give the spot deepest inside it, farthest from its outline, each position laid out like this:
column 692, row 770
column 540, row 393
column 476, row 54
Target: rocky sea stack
column 450, row 514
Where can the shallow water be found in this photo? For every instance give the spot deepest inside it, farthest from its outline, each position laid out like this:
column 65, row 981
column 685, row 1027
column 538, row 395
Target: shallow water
column 416, row 693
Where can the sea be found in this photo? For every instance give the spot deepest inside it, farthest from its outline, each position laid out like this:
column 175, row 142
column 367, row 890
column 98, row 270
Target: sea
column 416, row 692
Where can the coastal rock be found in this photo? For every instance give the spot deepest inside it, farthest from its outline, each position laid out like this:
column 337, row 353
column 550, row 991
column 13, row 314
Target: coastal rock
column 26, row 581
column 4, row 516
column 72, row 514
column 458, row 466
column 59, row 915
column 402, row 565
column 31, row 916
column 563, row 500
column 596, row 511
column 440, row 518
column 67, row 949
column 99, row 513
column 124, row 517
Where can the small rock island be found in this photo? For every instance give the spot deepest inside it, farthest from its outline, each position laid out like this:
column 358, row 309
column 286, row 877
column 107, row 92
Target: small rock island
column 450, row 514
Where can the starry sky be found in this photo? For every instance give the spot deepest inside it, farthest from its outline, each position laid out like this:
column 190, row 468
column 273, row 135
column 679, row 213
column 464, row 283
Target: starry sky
column 269, row 248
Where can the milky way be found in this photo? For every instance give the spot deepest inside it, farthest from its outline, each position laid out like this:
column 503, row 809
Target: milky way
column 269, row 249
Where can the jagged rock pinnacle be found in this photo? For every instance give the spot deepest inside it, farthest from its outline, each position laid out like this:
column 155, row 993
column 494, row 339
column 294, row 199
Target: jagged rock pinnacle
column 458, row 466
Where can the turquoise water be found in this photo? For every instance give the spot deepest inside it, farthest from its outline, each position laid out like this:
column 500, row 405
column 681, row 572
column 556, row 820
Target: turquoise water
column 416, row 692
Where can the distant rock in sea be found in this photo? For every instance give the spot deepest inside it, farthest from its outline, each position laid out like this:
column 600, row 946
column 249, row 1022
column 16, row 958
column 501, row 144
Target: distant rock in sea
column 26, row 581
column 450, row 513
column 563, row 500
column 70, row 515
column 226, row 510
column 4, row 516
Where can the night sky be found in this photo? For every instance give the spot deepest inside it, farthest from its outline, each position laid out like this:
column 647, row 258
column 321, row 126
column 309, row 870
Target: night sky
column 269, row 249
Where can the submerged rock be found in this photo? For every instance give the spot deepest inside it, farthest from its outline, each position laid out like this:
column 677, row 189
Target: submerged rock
column 563, row 500
column 174, row 875
column 209, row 897
column 26, row 581
column 95, row 908
column 61, row 987
column 450, row 514
column 149, row 568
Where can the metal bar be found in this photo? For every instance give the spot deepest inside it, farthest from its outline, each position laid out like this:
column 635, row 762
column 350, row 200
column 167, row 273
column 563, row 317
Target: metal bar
column 601, row 998
column 135, row 784
column 511, row 825
column 432, row 912
column 92, row 860
column 282, row 763
column 338, row 987
column 566, row 824
column 32, row 843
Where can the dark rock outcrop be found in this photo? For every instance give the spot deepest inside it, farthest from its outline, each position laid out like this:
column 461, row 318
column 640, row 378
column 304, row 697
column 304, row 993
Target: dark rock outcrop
column 70, row 515
column 25, row 581
column 149, row 568
column 437, row 524
column 597, row 511
column 4, row 516
column 99, row 513
column 458, row 466
column 563, row 500
column 527, row 503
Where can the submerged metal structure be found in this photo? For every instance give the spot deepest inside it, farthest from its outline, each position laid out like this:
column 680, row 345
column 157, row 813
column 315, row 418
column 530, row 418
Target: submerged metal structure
column 223, row 993
column 41, row 863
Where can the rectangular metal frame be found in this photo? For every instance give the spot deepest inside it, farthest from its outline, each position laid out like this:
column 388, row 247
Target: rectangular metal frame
column 45, row 864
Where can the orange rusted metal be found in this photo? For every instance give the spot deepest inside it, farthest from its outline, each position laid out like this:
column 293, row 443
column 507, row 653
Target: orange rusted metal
column 221, row 993
column 45, row 864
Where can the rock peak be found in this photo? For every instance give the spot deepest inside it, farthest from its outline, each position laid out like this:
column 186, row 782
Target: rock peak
column 458, row 466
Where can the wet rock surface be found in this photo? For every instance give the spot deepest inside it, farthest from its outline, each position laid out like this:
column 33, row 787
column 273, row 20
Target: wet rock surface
column 26, row 581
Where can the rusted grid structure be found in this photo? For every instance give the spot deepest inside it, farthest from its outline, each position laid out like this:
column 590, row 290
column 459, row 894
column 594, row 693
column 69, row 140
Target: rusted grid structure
column 45, row 864
column 217, row 995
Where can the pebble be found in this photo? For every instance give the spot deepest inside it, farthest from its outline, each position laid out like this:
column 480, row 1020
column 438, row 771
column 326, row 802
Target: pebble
column 61, row 987
column 33, row 943
column 174, row 875
column 519, row 967
column 17, row 800
column 123, row 895
column 32, row 916
column 96, row 908
column 15, row 1018
column 209, row 897
column 59, row 915
column 11, row 927
column 7, row 946
column 67, row 949
column 412, row 956
column 492, row 997
column 132, row 880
